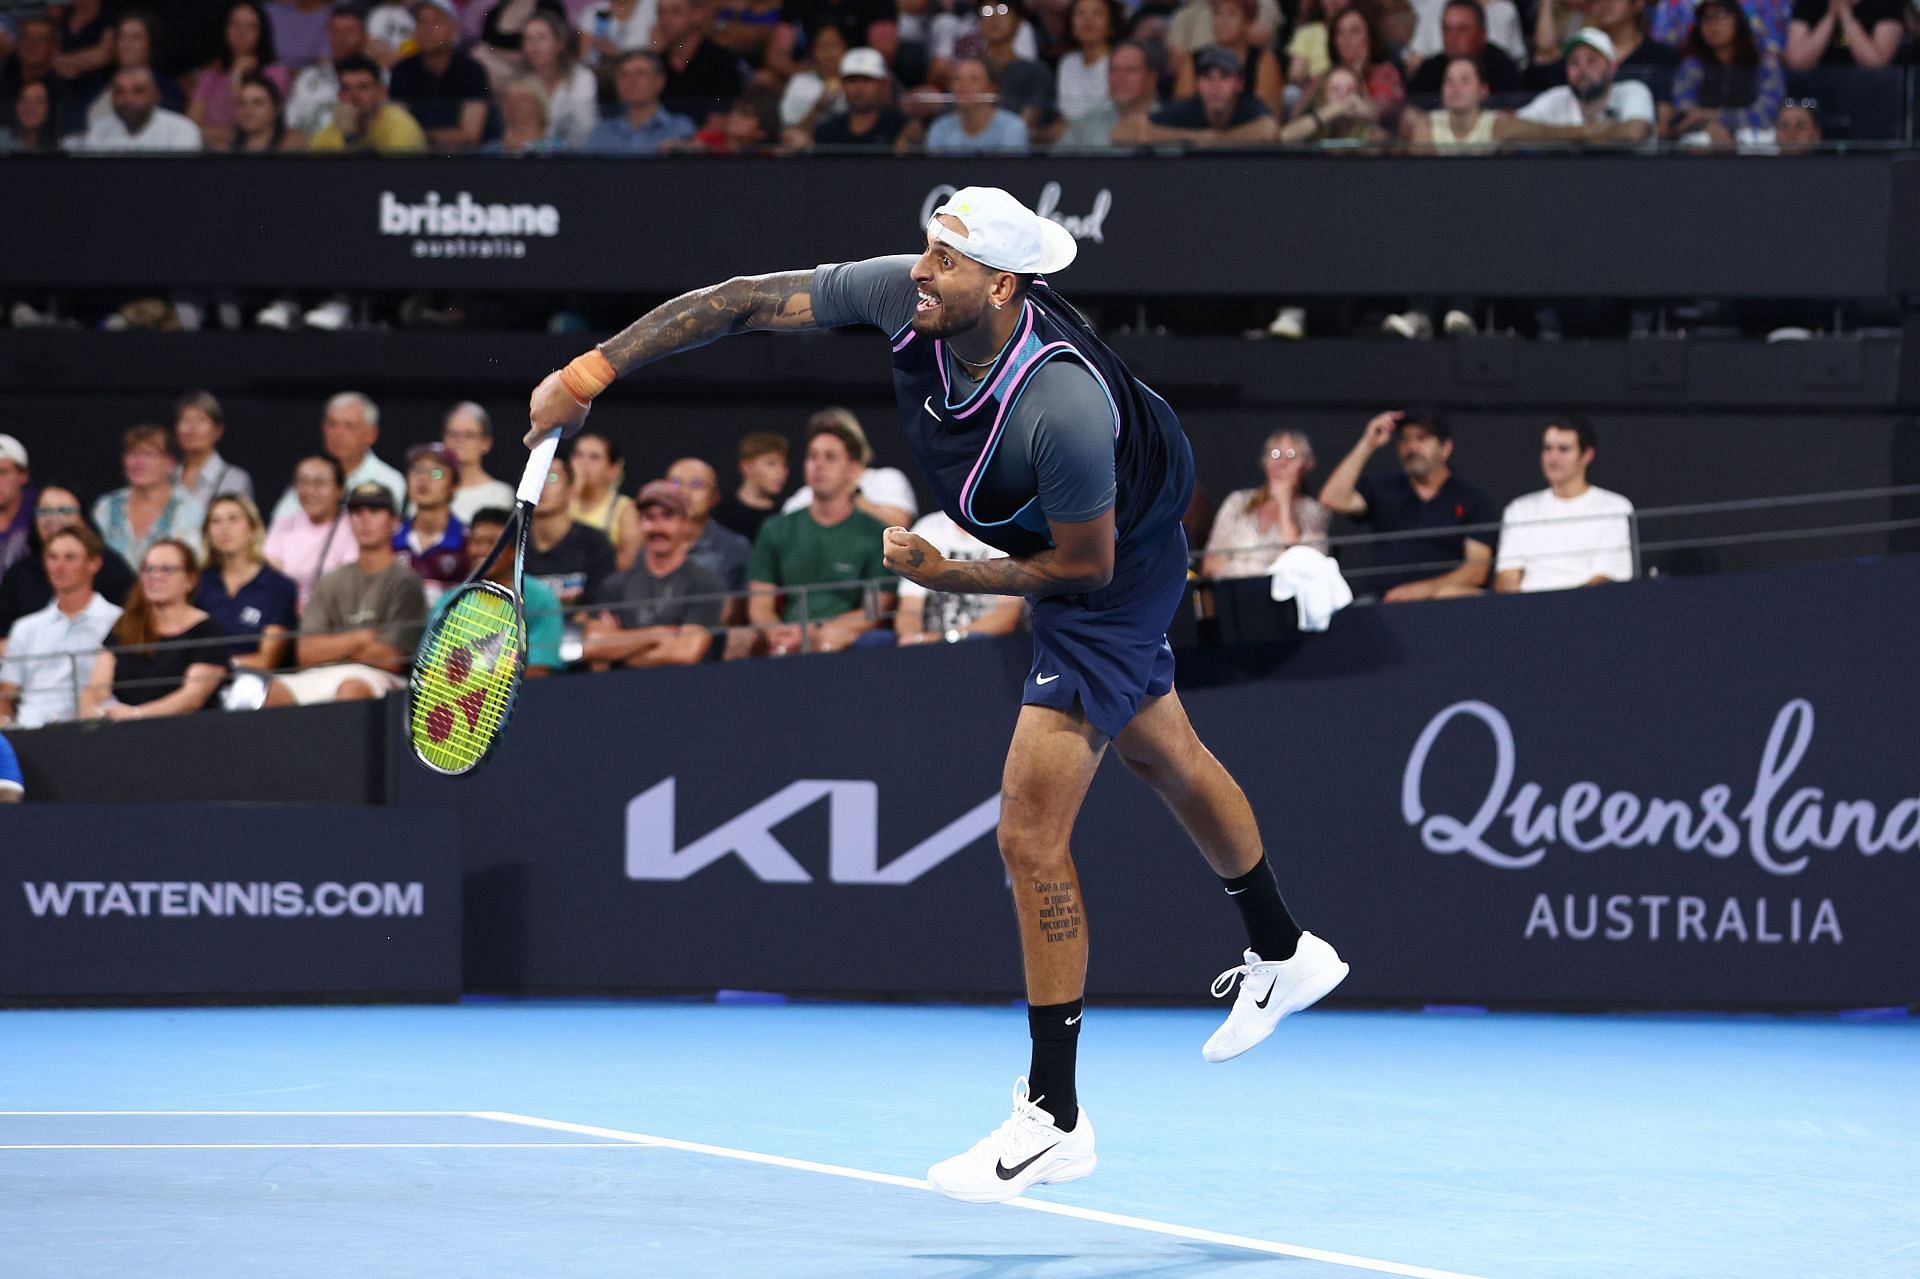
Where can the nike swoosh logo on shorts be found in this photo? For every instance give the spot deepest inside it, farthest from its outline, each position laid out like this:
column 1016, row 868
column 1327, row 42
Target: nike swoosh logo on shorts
column 1008, row 1174
column 1045, row 679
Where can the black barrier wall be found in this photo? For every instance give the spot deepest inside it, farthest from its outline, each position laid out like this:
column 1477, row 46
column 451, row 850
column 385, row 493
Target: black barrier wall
column 1657, row 794
column 131, row 901
column 1503, row 226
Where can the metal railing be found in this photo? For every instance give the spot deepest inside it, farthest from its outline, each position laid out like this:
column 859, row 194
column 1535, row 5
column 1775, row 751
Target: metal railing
column 875, row 591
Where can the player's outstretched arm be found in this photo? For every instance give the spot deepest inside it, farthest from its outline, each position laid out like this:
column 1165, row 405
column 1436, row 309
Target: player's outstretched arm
column 745, row 303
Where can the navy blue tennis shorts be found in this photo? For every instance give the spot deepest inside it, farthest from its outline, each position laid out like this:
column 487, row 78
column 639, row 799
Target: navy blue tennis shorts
column 1108, row 650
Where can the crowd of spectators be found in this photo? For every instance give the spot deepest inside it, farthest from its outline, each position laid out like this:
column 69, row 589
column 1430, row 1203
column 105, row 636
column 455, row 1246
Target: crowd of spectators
column 724, row 77
column 159, row 603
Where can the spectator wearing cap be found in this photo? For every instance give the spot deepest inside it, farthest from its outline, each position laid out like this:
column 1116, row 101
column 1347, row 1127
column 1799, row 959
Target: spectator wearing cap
column 641, row 125
column 433, row 541
column 441, row 87
column 1423, row 495
column 153, row 505
column 830, row 546
column 545, row 627
column 870, row 118
column 702, row 78
column 363, row 118
column 312, row 539
column 1606, row 110
column 139, row 122
column 364, row 619
column 1220, row 113
column 468, row 435
column 316, row 89
column 245, row 596
column 39, row 683
column 1131, row 77
column 1463, row 34
column 714, row 547
column 13, row 783
column 25, row 588
column 883, row 492
column 976, row 124
column 16, row 502
column 199, row 424
column 1259, row 65
column 1727, row 86
column 762, row 458
column 1637, row 56
column 1571, row 533
column 663, row 610
column 348, row 430
column 572, row 559
column 139, row 672
column 1843, row 33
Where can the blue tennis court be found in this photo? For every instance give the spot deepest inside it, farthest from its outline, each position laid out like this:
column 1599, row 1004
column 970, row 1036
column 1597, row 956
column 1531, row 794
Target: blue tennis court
column 733, row 1138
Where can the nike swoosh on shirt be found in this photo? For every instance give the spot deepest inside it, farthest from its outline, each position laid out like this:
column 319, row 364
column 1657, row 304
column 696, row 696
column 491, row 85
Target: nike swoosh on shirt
column 1045, row 679
column 931, row 411
column 1008, row 1174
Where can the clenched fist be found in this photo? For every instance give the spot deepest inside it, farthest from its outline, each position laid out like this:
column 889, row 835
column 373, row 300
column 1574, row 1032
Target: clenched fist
column 912, row 556
column 553, row 406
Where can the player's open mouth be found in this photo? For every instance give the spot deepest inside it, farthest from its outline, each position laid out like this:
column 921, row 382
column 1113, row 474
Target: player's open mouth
column 926, row 303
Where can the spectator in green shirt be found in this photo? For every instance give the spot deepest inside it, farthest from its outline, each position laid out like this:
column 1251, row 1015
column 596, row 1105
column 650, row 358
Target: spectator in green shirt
column 827, row 541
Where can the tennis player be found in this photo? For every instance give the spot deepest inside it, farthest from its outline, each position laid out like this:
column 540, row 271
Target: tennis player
column 1039, row 441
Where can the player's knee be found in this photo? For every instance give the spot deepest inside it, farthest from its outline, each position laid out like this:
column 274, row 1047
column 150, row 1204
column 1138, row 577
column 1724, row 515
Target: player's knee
column 1028, row 851
column 355, row 690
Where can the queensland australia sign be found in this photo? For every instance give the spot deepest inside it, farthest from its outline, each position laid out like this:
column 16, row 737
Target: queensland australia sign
column 1736, row 868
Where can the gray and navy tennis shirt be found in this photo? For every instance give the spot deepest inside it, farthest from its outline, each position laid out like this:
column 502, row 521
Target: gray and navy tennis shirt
column 1057, row 428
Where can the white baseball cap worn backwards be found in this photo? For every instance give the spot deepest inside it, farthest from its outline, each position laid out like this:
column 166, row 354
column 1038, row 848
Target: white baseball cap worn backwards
column 1003, row 233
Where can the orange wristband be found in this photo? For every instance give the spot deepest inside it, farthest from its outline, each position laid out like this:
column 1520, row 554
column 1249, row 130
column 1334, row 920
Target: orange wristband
column 587, row 375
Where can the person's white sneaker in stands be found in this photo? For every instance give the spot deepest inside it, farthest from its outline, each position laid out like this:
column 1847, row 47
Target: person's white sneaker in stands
column 330, row 317
column 282, row 315
column 1027, row 1150
column 1458, row 324
column 1269, row 990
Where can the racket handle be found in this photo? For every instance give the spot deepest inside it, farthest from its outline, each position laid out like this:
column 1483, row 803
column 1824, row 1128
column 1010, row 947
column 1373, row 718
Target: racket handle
column 534, row 478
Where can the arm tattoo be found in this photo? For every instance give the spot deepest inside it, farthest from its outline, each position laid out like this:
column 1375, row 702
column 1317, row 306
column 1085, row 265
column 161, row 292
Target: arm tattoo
column 778, row 301
column 1059, row 910
column 1038, row 574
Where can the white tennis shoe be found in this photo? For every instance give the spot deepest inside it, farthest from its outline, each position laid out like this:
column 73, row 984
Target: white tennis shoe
column 1027, row 1150
column 1269, row 990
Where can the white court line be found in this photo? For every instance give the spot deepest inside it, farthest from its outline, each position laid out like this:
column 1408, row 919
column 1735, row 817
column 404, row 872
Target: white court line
column 324, row 1145
column 1036, row 1205
column 270, row 1114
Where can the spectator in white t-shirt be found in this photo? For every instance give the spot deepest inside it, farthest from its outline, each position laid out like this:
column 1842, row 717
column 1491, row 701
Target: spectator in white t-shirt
column 139, row 122
column 883, row 492
column 928, row 617
column 1610, row 111
column 316, row 90
column 1569, row 533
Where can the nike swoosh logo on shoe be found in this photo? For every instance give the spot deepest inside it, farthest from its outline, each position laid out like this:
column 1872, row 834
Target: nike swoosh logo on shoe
column 1008, row 1174
column 1262, row 1001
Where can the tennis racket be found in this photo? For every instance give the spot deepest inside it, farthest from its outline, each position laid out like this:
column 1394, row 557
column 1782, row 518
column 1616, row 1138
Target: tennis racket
column 466, row 672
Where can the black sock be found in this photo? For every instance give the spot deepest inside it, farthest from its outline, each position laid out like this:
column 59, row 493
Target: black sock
column 1271, row 932
column 1056, row 1042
